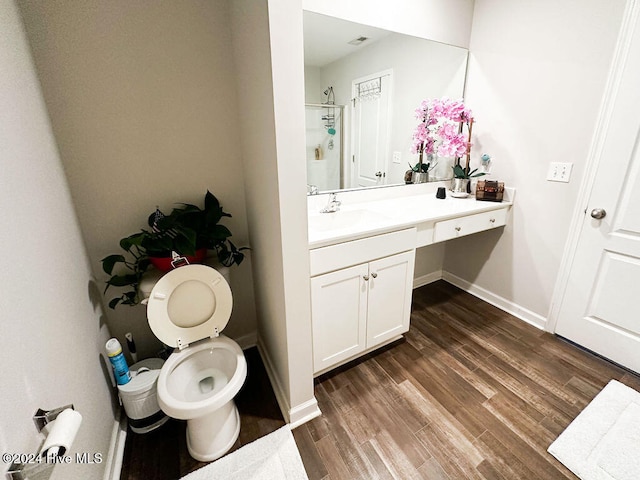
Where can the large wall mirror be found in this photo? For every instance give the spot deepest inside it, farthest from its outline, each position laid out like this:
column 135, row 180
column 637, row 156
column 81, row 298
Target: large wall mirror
column 362, row 86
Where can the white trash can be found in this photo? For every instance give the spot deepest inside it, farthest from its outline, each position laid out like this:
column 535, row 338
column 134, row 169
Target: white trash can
column 140, row 396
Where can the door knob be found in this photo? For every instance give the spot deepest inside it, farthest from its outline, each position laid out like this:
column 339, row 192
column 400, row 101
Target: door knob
column 378, row 174
column 598, row 213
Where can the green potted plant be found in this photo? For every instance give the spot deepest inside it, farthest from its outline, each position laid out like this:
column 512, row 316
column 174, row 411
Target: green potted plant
column 465, row 172
column 412, row 175
column 183, row 236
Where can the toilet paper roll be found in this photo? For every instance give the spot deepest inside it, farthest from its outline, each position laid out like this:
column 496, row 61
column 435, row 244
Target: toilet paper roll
column 62, row 432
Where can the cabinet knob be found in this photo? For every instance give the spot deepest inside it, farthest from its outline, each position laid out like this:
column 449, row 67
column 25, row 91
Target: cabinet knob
column 492, row 220
column 458, row 229
column 374, row 275
column 366, row 278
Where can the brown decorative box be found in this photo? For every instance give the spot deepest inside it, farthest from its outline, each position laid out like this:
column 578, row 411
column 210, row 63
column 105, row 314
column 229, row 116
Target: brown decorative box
column 489, row 190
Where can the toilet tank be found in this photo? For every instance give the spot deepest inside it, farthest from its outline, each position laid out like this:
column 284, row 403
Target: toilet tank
column 151, row 277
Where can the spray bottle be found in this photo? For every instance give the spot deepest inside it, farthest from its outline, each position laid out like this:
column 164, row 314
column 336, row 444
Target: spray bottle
column 118, row 362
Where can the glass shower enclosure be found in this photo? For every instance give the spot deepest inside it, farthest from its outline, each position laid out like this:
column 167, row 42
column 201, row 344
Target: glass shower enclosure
column 324, row 147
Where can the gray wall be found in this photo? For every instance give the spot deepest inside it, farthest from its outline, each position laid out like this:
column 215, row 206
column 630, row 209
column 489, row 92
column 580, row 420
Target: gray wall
column 535, row 84
column 142, row 99
column 51, row 323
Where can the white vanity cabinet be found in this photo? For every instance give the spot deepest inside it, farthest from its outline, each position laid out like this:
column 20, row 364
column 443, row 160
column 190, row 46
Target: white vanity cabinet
column 458, row 227
column 362, row 263
column 358, row 307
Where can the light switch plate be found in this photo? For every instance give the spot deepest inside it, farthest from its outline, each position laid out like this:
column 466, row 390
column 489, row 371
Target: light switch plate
column 397, row 157
column 559, row 172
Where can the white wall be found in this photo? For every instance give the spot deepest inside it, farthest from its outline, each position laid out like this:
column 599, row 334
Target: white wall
column 535, row 82
column 267, row 45
column 51, row 323
column 446, row 21
column 142, row 99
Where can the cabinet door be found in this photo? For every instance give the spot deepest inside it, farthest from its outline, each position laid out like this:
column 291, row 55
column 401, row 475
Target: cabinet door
column 339, row 315
column 390, row 287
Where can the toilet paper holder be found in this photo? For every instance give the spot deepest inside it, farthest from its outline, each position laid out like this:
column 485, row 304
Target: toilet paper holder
column 21, row 471
column 42, row 417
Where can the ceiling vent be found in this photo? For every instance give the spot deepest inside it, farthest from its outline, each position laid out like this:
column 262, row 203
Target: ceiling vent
column 358, row 41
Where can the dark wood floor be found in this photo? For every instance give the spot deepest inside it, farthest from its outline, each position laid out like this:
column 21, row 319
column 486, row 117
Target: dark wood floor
column 471, row 393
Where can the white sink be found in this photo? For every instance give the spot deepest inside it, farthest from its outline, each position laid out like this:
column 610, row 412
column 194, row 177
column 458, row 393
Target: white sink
column 345, row 219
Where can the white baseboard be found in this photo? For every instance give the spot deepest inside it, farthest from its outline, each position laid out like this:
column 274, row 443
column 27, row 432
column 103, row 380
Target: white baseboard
column 303, row 413
column 283, row 403
column 300, row 413
column 116, row 449
column 247, row 341
column 427, row 279
column 503, row 304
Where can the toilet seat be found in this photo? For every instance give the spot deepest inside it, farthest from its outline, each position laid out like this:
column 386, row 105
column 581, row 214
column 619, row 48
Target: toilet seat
column 188, row 304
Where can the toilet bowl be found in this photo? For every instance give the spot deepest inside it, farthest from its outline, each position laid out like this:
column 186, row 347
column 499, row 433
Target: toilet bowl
column 188, row 308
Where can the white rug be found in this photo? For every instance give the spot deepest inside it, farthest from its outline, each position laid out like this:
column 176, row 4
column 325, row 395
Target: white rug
column 603, row 442
column 272, row 457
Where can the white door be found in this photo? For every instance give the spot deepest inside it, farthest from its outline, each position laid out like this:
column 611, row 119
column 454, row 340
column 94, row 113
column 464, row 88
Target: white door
column 339, row 315
column 599, row 309
column 371, row 123
column 390, row 286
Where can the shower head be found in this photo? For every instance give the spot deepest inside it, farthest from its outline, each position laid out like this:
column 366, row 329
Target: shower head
column 330, row 95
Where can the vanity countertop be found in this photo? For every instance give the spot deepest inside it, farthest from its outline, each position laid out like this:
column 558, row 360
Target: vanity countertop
column 359, row 219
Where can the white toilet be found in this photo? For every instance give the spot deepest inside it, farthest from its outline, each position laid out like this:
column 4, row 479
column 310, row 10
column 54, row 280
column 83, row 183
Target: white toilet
column 188, row 308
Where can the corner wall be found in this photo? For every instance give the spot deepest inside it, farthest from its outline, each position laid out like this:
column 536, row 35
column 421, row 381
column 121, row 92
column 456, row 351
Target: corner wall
column 536, row 78
column 267, row 45
column 142, row 100
column 51, row 324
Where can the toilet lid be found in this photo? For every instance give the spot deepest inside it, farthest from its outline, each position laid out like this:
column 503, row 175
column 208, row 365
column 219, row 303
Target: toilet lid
column 188, row 304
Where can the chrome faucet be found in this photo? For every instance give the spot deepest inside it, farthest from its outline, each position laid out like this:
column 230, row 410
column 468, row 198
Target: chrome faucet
column 333, row 205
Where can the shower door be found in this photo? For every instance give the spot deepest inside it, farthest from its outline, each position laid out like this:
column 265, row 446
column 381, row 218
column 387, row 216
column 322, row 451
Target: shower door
column 324, row 125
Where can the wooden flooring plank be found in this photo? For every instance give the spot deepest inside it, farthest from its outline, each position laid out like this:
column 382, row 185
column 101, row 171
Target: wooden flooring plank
column 394, row 458
column 433, row 471
column 527, row 428
column 414, row 416
column 458, row 458
column 504, row 461
column 448, row 398
column 489, row 472
column 383, row 412
column 332, row 460
column 314, row 465
column 354, row 457
column 355, row 412
column 376, row 462
column 537, row 460
column 436, row 411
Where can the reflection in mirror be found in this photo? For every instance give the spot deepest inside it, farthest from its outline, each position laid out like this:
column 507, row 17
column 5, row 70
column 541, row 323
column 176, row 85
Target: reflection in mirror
column 362, row 87
column 324, row 131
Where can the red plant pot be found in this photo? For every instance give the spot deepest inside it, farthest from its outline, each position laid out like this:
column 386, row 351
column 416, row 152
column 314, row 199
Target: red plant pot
column 166, row 264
